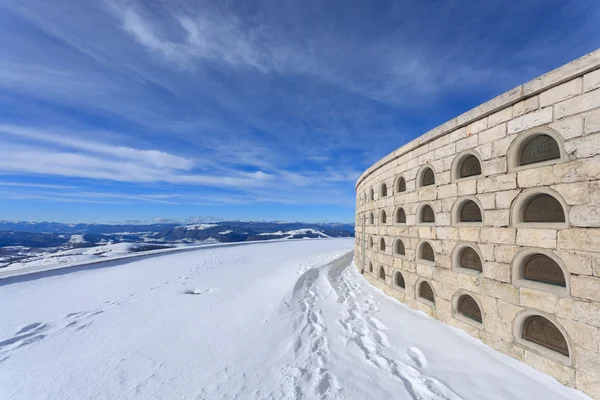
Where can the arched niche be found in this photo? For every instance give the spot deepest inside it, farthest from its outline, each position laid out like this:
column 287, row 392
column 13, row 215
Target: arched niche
column 382, row 244
column 467, row 165
column 426, row 177
column 382, row 217
column 425, row 252
column 541, row 332
column 381, row 274
column 540, row 207
column 371, row 241
column 467, row 211
column 469, row 308
column 399, row 280
column 383, row 191
column 371, row 219
column 370, row 267
column 400, row 184
column 540, row 269
column 426, row 214
column 400, row 216
column 425, row 292
column 467, row 259
column 372, row 195
column 534, row 148
column 399, row 248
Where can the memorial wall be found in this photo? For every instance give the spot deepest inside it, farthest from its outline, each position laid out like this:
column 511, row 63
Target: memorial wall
column 491, row 223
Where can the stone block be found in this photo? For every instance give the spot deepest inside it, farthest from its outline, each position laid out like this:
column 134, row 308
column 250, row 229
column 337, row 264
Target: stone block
column 545, row 238
column 443, row 219
column 585, row 147
column 427, row 232
column 585, row 216
column 497, row 183
column 587, row 360
column 424, row 270
column 495, row 166
column 526, row 106
column 500, row 290
column 497, row 271
column 530, row 120
column 591, row 81
column 488, row 200
column 577, row 171
column 500, row 147
column 500, row 117
column 588, row 384
column 542, row 176
column 446, row 191
column 579, row 239
column 562, row 92
column 562, row 373
column 498, row 235
column 445, row 151
column 579, row 263
column 505, row 198
column 596, row 264
column 468, row 233
column 497, row 217
column 585, row 287
column 581, row 335
column 447, row 233
column 569, row 128
column 538, row 299
column 504, row 253
column 586, row 102
column 466, row 143
column 466, row 187
column 592, row 123
column 506, row 347
column 427, row 193
column 487, row 251
column 574, row 193
column 584, row 311
column 485, row 151
column 492, row 134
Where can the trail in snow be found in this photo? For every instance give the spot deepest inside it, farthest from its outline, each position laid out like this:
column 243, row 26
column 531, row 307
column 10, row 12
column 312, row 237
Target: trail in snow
column 290, row 320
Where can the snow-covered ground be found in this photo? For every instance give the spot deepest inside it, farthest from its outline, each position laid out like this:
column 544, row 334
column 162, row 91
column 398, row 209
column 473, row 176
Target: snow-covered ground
column 285, row 320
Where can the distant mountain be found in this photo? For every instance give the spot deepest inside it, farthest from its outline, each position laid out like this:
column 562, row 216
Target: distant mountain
column 59, row 227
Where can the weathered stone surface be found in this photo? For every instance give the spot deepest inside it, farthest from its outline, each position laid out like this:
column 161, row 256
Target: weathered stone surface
column 477, row 126
column 579, row 239
column 466, row 143
column 532, row 237
column 497, row 183
column 585, row 102
column 579, row 263
column 505, row 198
column 582, row 335
column 591, row 81
column 504, row 253
column 500, row 117
column 497, row 217
column 585, row 311
column 446, row 191
column 488, row 200
column 500, row 290
column 592, row 123
column 574, row 193
column 585, row 287
column 541, row 176
column 492, row 134
column 562, row 373
column 538, row 299
column 585, row 216
column 530, row 120
column 498, row 235
column 587, row 360
column 468, row 234
column 577, row 171
column 526, row 106
column 495, row 166
column 588, row 383
column 561, row 92
column 466, row 187
column 569, row 128
column 497, row 271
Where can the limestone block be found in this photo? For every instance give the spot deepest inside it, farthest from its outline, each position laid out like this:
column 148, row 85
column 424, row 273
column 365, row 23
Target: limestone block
column 579, row 239
column 574, row 193
column 596, row 264
column 541, row 176
column 500, row 116
column 446, row 191
column 587, row 383
column 442, row 290
column 443, row 261
column 592, row 123
column 445, row 151
column 467, row 282
column 467, row 143
column 577, row 171
column 505, row 198
column 526, row 106
column 471, row 330
column 499, row 328
column 469, row 233
column 447, row 233
column 500, row 290
column 569, row 128
column 585, row 102
column 443, row 178
column 538, row 299
column 584, row 311
column 545, row 238
column 585, row 216
column 495, row 166
column 443, row 219
column 591, row 81
column 530, row 120
column 498, row 235
column 477, row 126
column 587, row 360
column 506, row 347
column 487, row 251
column 485, row 151
column 492, row 134
column 585, row 287
column 447, row 204
column 448, row 245
column 507, row 311
column 562, row 373
column 498, row 271
column 581, row 335
column 579, row 263
column 466, row 187
column 427, row 232
column 497, row 217
column 497, row 183
column 585, row 147
column 443, row 306
column 500, row 147
column 562, row 92
column 427, row 193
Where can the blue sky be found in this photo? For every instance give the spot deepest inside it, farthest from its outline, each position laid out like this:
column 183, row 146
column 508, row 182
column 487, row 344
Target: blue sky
column 130, row 110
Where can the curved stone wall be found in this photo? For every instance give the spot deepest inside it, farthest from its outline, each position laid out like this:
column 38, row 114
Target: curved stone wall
column 491, row 223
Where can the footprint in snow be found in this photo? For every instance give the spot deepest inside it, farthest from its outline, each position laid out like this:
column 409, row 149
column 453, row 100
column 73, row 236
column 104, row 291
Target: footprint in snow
column 197, row 291
column 415, row 354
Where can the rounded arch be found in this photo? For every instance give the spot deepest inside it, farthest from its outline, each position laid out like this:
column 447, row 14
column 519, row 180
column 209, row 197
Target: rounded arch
column 541, row 332
column 425, row 292
column 540, row 207
column 370, row 266
column 383, row 190
column 371, row 219
column 399, row 248
column 400, row 184
column 400, row 216
column 371, row 195
column 381, row 273
column 382, row 217
column 426, row 176
column 425, row 252
column 467, row 210
column 467, row 165
column 382, row 244
column 467, row 308
column 467, row 258
column 371, row 242
column 399, row 281
column 540, row 269
column 534, row 148
column 425, row 214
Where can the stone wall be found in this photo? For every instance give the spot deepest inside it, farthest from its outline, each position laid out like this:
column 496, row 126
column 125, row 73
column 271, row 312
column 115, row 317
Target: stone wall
column 505, row 244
